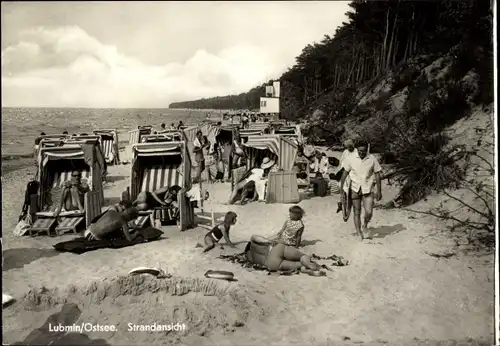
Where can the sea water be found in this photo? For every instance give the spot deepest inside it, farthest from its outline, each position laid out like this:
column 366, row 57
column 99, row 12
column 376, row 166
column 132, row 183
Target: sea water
column 20, row 126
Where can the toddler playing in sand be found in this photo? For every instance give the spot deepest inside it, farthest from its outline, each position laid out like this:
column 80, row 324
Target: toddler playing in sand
column 291, row 232
column 218, row 232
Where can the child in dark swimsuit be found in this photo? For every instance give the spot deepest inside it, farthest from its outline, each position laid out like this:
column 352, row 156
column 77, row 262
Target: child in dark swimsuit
column 249, row 194
column 220, row 231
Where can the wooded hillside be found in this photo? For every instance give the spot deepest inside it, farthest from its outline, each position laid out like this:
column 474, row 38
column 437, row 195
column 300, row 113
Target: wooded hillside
column 378, row 36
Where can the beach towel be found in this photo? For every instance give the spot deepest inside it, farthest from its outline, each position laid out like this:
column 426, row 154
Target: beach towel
column 346, row 204
column 81, row 245
column 6, row 299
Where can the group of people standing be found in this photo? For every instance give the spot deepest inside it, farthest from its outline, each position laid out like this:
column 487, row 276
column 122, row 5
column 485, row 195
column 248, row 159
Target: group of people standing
column 218, row 160
column 357, row 175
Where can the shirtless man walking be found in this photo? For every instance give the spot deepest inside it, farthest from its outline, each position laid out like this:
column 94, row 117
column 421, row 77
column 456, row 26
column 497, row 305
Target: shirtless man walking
column 363, row 170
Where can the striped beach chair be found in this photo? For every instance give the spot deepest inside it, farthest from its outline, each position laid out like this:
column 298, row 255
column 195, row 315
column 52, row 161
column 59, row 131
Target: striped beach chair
column 277, row 148
column 149, row 175
column 55, row 169
column 156, row 177
column 109, row 144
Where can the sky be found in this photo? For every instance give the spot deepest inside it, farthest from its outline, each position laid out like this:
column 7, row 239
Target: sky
column 149, row 54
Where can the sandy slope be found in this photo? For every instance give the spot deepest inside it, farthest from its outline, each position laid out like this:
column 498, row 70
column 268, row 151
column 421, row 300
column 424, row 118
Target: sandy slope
column 392, row 292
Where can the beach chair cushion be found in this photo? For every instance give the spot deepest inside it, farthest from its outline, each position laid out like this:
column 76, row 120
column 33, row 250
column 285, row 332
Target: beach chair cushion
column 73, row 213
column 42, row 225
column 69, row 223
column 302, row 182
column 159, row 176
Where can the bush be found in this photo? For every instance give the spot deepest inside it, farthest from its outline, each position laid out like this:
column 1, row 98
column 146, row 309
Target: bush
column 447, row 106
column 404, row 78
column 422, row 165
column 416, row 144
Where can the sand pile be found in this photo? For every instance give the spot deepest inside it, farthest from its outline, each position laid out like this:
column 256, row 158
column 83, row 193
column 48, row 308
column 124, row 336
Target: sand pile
column 204, row 307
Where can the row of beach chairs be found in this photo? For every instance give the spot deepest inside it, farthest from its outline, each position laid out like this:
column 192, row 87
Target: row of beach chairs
column 158, row 160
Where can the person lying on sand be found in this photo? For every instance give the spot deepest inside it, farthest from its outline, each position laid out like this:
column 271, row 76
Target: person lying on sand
column 363, row 170
column 72, row 194
column 218, row 232
column 293, row 228
column 111, row 223
column 279, row 257
column 258, row 176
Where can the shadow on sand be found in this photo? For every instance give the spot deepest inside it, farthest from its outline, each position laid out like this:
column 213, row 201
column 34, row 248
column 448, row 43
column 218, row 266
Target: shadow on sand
column 384, row 231
column 111, row 200
column 310, row 242
column 69, row 314
column 115, row 178
column 18, row 258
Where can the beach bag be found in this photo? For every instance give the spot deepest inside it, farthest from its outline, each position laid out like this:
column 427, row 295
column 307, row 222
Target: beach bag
column 219, row 175
column 32, row 188
column 23, row 226
column 320, row 187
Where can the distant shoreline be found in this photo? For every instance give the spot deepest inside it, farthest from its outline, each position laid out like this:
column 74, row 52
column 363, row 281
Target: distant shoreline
column 121, row 108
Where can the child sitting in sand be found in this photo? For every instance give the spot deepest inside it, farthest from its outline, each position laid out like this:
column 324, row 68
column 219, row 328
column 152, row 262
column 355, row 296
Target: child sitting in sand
column 291, row 232
column 249, row 194
column 219, row 231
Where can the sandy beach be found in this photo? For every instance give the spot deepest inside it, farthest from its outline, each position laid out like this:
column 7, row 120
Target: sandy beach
column 392, row 292
column 273, row 86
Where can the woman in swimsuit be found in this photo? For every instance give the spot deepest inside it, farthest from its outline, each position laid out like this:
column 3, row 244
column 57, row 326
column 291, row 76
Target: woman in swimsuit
column 220, row 231
column 278, row 256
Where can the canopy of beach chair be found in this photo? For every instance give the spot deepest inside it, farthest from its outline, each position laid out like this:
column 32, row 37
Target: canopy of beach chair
column 110, row 149
column 136, row 135
column 173, row 137
column 282, row 148
column 250, row 132
column 58, row 163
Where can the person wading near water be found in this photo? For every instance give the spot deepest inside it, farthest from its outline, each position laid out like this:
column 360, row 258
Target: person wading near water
column 363, row 170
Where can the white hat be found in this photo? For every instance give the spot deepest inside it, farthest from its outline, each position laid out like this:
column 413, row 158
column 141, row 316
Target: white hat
column 267, row 163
